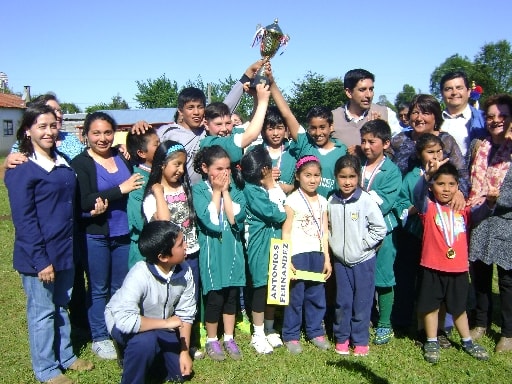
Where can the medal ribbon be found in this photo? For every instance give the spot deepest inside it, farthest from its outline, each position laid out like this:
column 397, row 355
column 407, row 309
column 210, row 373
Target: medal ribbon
column 447, row 229
column 372, row 175
column 310, row 208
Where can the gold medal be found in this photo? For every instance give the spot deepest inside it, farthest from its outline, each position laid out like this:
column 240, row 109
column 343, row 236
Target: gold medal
column 450, row 253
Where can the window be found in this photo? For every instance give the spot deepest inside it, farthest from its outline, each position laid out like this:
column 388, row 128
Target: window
column 8, row 128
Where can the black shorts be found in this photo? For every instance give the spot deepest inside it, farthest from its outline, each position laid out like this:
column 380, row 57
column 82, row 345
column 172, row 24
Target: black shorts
column 436, row 287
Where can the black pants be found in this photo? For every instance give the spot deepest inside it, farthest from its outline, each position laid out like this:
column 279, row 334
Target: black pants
column 482, row 280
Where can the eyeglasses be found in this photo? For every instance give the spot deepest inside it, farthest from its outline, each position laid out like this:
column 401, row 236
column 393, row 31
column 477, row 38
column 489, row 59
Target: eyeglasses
column 402, row 115
column 58, row 111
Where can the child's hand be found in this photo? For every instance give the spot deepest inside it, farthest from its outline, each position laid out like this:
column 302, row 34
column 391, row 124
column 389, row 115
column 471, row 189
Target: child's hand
column 432, row 166
column 174, row 322
column 269, row 73
column 267, row 180
column 140, row 127
column 217, row 182
column 185, row 363
column 262, row 92
column 492, row 196
column 294, row 271
column 276, row 173
column 99, row 207
column 157, row 189
column 374, row 115
column 327, row 269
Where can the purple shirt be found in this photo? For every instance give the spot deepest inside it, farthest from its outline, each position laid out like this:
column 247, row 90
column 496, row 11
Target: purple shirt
column 116, row 212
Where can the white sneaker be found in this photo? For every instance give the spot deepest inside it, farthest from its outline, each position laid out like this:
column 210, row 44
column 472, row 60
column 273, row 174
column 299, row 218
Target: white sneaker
column 274, row 339
column 261, row 344
column 104, row 349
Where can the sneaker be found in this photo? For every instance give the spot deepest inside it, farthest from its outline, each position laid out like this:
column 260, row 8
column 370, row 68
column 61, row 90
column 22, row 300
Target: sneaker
column 475, row 350
column 293, row 346
column 361, row 350
column 214, row 350
column 261, row 344
column 431, row 351
column 60, row 379
column 443, row 340
column 342, row 348
column 383, row 336
column 104, row 349
column 274, row 339
column 81, row 365
column 196, row 353
column 232, row 349
column 321, row 343
column 244, row 325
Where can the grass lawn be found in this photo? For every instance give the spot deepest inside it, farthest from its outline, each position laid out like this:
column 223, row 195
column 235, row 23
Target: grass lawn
column 398, row 362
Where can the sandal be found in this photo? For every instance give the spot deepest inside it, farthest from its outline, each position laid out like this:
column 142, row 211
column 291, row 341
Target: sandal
column 476, row 350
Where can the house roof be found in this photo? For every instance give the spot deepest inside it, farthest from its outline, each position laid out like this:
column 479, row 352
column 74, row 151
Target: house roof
column 152, row 116
column 11, row 101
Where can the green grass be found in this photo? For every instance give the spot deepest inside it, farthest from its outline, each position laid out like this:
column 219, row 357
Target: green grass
column 398, row 362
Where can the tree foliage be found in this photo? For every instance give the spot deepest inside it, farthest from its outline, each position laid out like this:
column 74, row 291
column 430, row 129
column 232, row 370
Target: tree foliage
column 494, row 61
column 491, row 69
column 70, row 108
column 383, row 100
column 405, row 95
column 117, row 103
column 159, row 93
column 314, row 90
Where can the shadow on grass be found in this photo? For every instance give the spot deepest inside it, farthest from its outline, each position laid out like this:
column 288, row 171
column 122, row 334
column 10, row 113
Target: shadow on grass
column 357, row 367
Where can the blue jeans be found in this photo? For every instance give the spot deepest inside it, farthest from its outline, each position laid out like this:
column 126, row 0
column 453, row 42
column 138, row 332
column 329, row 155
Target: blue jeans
column 48, row 323
column 307, row 298
column 107, row 266
column 141, row 352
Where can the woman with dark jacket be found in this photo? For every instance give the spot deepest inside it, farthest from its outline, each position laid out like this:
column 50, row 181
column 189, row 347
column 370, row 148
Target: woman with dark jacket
column 103, row 172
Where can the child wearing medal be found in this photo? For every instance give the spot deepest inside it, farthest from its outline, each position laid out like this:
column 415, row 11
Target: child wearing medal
column 220, row 211
column 382, row 179
column 305, row 228
column 444, row 256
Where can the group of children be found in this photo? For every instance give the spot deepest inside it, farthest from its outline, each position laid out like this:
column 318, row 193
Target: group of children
column 338, row 211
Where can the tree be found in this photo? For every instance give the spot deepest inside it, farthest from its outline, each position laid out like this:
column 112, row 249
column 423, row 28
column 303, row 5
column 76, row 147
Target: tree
column 218, row 91
column 117, row 103
column 405, row 95
column 494, row 61
column 159, row 93
column 70, row 108
column 491, row 69
column 314, row 90
column 453, row 63
column 383, row 100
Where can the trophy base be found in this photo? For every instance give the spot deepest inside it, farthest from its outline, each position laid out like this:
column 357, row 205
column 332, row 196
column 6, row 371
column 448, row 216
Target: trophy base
column 258, row 79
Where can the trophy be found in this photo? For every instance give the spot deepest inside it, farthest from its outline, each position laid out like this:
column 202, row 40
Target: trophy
column 271, row 38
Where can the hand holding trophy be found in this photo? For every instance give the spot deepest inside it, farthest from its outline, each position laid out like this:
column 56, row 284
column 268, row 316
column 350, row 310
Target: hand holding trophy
column 271, row 38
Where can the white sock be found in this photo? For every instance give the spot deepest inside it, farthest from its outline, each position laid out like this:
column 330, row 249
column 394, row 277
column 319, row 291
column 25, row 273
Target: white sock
column 258, row 330
column 228, row 337
column 269, row 325
column 210, row 339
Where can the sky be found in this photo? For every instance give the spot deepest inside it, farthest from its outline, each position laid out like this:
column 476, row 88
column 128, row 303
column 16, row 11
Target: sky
column 86, row 52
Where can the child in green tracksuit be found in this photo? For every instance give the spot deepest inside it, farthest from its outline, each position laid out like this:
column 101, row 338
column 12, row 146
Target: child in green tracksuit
column 264, row 216
column 382, row 179
column 141, row 149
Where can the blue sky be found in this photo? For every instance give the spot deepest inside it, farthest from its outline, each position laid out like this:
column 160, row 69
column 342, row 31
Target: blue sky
column 88, row 51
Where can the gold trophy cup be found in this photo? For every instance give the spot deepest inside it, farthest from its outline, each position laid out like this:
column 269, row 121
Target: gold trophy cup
column 271, row 38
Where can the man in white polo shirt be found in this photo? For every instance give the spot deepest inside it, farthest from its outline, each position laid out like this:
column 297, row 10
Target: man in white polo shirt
column 461, row 120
